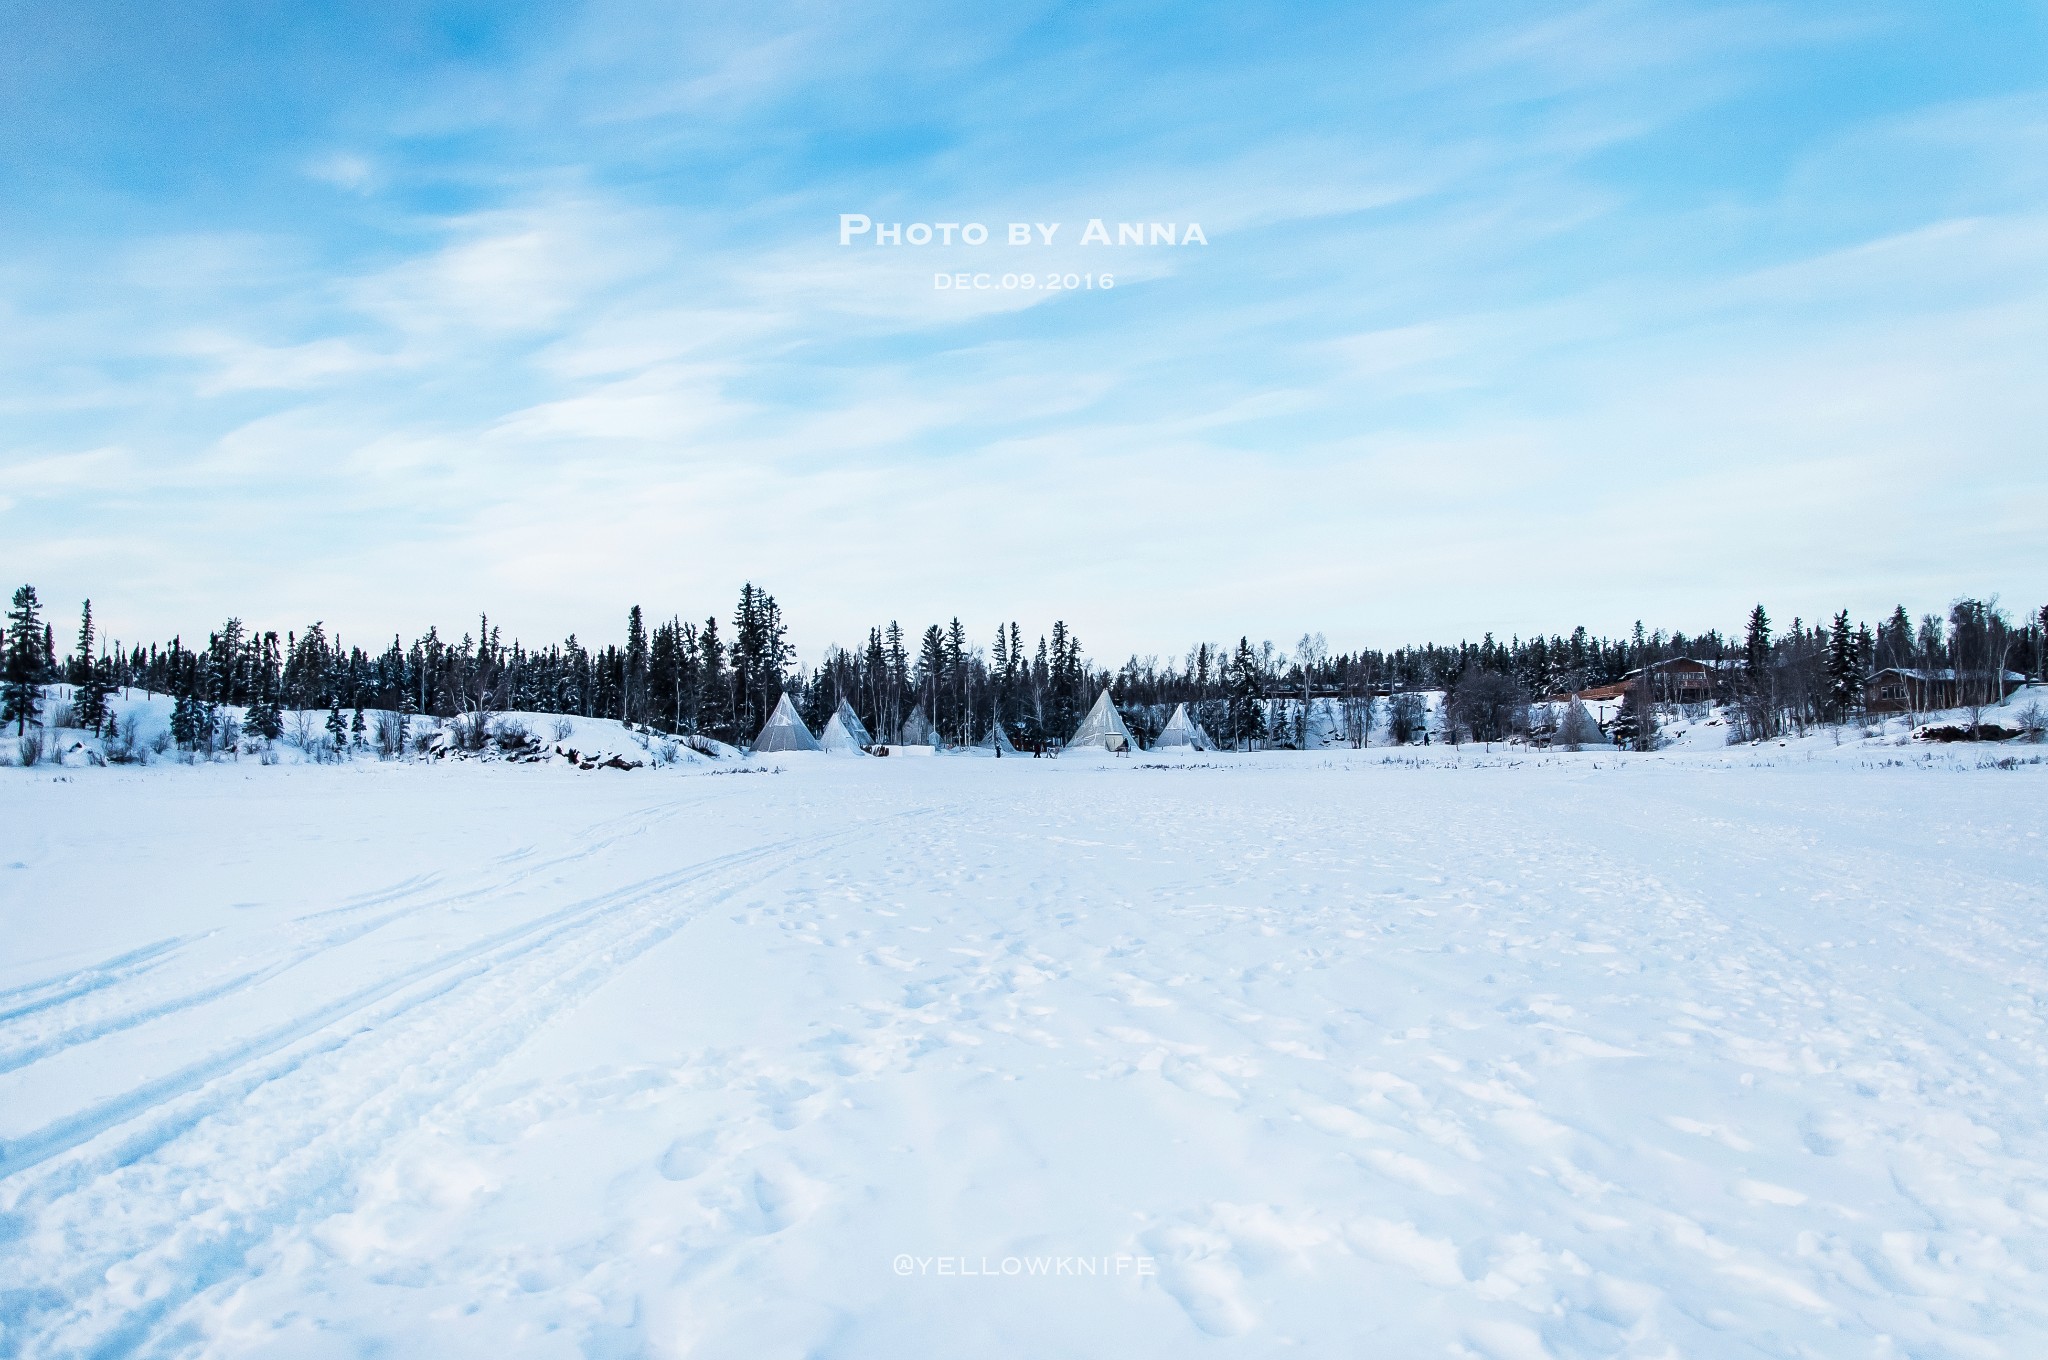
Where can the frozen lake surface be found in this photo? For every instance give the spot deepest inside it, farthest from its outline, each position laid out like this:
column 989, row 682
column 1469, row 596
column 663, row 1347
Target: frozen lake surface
column 1309, row 1054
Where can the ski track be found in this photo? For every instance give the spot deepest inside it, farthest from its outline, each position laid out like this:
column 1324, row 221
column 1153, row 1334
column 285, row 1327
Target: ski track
column 70, row 1032
column 369, row 1063
column 83, row 982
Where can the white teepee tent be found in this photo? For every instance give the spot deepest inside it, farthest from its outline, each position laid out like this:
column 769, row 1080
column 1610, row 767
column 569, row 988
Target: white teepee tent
column 1104, row 727
column 996, row 739
column 1577, row 729
column 918, row 729
column 1182, row 730
column 785, row 731
column 844, row 731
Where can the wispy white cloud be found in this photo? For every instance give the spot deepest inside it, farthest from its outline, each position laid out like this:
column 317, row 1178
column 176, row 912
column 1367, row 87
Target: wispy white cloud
column 1453, row 358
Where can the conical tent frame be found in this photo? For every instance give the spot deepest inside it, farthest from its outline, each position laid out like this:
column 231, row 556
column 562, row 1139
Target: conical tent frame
column 850, row 725
column 835, row 737
column 1182, row 730
column 918, row 730
column 997, row 739
column 785, row 731
column 1103, row 727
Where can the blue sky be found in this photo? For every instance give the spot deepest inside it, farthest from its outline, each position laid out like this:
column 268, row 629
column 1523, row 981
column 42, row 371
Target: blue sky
column 1511, row 317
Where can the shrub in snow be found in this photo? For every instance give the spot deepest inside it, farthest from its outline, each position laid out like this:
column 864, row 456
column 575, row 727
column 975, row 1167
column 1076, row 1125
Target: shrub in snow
column 119, row 744
column 470, row 731
column 390, row 733
column 28, row 747
column 2033, row 721
column 563, row 727
column 303, row 730
column 514, row 737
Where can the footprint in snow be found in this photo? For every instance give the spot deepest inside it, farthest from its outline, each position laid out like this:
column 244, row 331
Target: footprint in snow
column 1196, row 1270
column 687, row 1157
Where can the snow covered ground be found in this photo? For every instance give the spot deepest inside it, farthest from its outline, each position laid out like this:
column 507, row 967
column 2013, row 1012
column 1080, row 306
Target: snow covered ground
column 1727, row 1052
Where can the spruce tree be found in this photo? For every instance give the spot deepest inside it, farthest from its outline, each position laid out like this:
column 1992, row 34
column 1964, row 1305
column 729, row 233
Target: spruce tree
column 635, row 680
column 80, row 669
column 714, row 699
column 1247, row 720
column 21, row 665
column 337, row 726
column 264, row 718
column 1845, row 669
column 102, row 685
column 932, row 679
column 89, row 700
column 185, row 721
column 1756, row 674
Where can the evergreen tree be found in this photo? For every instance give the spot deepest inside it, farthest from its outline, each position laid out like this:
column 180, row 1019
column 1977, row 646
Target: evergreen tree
column 264, row 718
column 21, row 661
column 337, row 726
column 960, row 681
column 192, row 719
column 633, row 664
column 186, row 721
column 932, row 679
column 1245, row 717
column 1895, row 639
column 897, row 684
column 89, row 680
column 102, row 687
column 80, row 669
column 1758, row 691
column 714, row 698
column 1845, row 669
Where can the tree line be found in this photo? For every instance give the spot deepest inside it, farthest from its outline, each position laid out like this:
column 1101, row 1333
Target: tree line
column 722, row 680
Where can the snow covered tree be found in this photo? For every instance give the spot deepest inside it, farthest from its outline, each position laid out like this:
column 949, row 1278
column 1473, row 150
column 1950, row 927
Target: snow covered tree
column 21, row 662
column 187, row 721
column 337, row 726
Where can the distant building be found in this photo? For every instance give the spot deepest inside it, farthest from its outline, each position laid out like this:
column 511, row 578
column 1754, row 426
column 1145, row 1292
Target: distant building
column 1680, row 680
column 1677, row 680
column 1908, row 689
